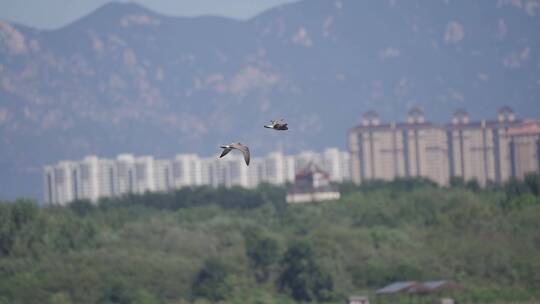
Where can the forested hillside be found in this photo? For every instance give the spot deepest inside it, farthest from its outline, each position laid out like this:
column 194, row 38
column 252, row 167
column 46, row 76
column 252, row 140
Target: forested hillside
column 207, row 245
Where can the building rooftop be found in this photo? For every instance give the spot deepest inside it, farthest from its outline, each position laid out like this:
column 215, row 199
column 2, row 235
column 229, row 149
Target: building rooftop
column 398, row 287
column 528, row 127
column 312, row 184
column 440, row 285
column 447, row 126
column 434, row 284
column 311, row 169
column 399, row 126
column 415, row 120
column 416, row 287
column 357, row 298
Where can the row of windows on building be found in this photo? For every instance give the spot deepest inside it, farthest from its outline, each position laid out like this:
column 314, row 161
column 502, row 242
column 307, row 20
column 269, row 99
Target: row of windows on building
column 487, row 150
column 93, row 177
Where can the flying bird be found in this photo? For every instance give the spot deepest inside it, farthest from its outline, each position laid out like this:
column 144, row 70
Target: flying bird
column 279, row 125
column 238, row 146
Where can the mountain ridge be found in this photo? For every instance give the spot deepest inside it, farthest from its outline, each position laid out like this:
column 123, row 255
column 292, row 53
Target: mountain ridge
column 127, row 79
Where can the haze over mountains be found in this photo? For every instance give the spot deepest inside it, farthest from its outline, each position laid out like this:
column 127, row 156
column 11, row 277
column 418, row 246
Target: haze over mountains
column 125, row 79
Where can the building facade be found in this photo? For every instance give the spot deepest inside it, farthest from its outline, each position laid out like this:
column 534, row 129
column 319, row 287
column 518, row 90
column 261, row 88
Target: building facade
column 486, row 151
column 480, row 150
column 311, row 184
column 524, row 148
column 93, row 178
column 60, row 183
column 415, row 148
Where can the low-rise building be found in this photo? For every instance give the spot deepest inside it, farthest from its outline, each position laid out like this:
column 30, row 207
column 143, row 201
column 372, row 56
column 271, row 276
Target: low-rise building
column 413, row 287
column 312, row 185
column 358, row 300
column 400, row 287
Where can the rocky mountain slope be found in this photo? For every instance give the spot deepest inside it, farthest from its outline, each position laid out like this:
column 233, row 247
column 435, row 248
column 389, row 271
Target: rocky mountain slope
column 126, row 79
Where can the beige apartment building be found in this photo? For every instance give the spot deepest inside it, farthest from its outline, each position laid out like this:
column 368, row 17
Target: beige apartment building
column 480, row 150
column 376, row 150
column 485, row 151
column 525, row 148
column 415, row 148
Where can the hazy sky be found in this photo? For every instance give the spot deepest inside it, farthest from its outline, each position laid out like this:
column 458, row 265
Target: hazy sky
column 56, row 13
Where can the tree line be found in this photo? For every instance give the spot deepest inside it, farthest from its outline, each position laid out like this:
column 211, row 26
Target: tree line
column 206, row 245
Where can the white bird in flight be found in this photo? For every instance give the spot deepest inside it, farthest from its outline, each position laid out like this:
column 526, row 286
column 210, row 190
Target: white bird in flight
column 238, row 146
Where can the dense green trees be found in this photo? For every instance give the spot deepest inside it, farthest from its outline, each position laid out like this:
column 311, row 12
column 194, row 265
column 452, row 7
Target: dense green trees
column 15, row 225
column 262, row 252
column 235, row 245
column 121, row 292
column 211, row 282
column 303, row 278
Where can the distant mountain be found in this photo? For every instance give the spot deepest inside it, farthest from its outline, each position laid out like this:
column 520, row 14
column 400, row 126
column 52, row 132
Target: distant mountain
column 126, row 79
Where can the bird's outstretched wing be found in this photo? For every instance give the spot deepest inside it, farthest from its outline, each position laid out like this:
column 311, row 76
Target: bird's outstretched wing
column 244, row 150
column 225, row 151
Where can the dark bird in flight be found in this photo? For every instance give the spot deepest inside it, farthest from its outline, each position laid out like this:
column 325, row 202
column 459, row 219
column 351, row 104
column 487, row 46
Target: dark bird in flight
column 238, row 146
column 279, row 125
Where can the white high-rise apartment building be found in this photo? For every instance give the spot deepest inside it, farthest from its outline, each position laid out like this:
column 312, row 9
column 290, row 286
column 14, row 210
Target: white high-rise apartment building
column 107, row 174
column 275, row 168
column 256, row 172
column 60, row 183
column 88, row 177
column 49, row 185
column 144, row 174
column 93, row 178
column 231, row 171
column 210, row 172
column 336, row 163
column 187, row 170
column 125, row 174
column 163, row 175
column 290, row 171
